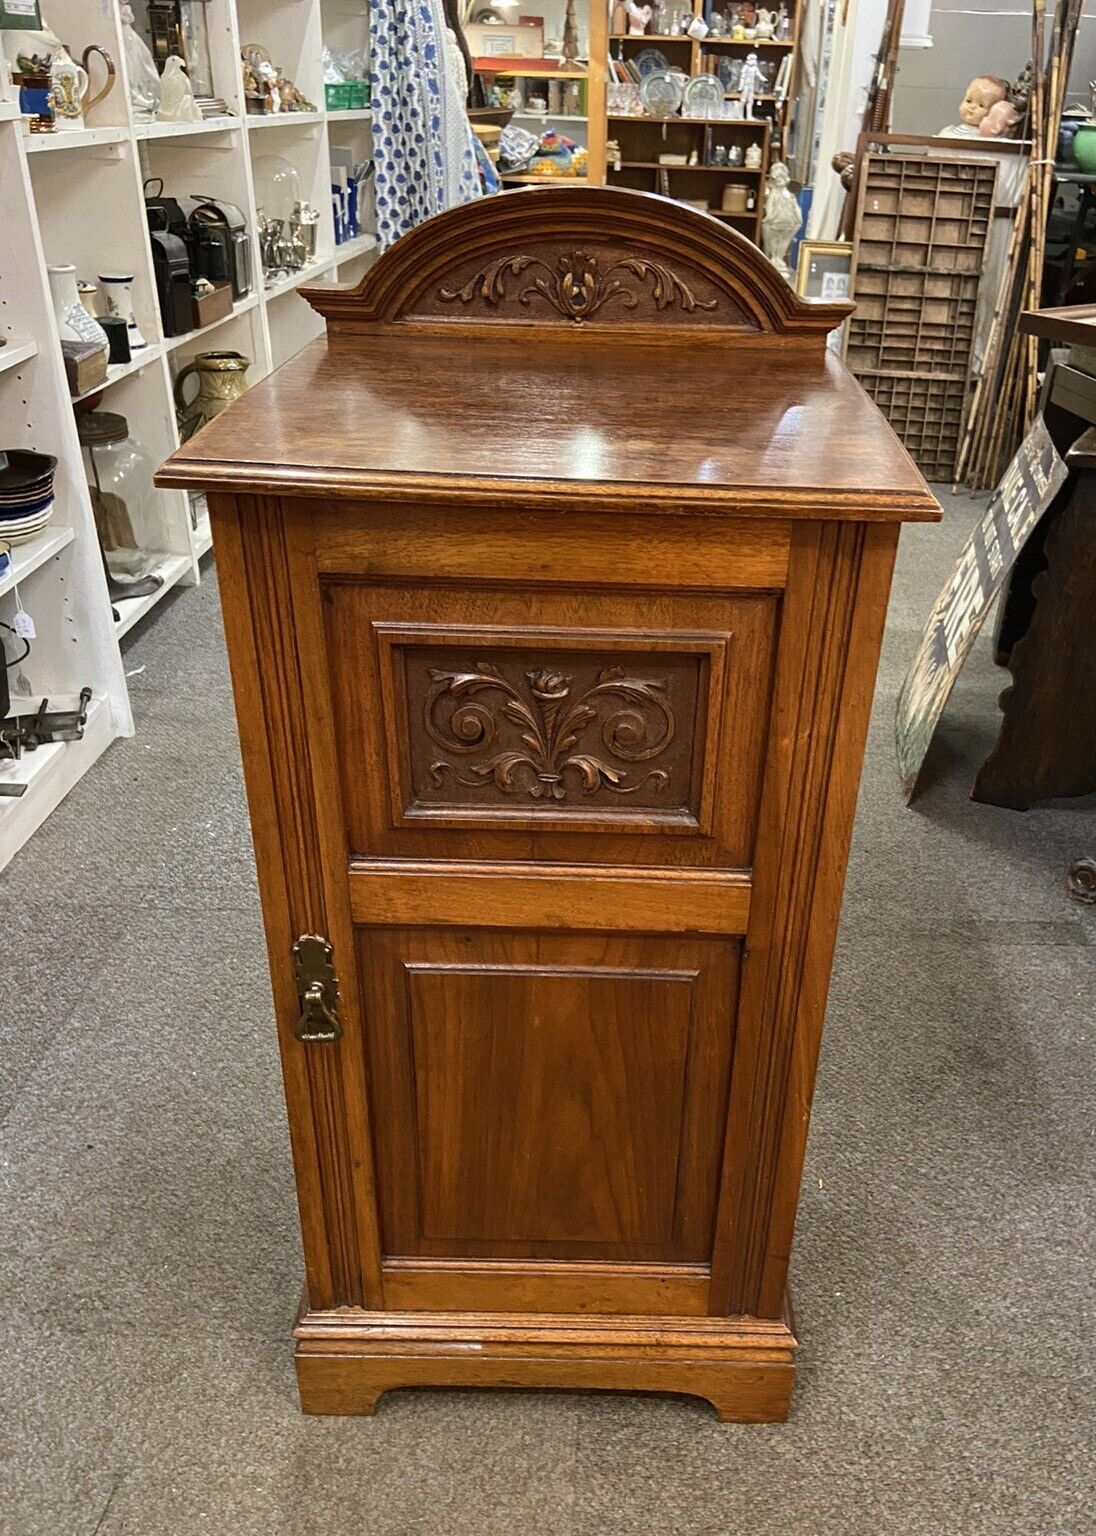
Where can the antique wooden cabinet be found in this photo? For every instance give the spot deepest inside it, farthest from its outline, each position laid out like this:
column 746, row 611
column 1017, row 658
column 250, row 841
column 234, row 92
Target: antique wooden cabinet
column 554, row 581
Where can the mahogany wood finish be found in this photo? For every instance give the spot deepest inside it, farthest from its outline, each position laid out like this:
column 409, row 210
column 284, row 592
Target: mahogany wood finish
column 554, row 582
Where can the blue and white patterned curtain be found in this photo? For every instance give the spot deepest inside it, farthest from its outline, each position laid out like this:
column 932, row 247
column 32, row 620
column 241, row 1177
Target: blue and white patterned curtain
column 423, row 146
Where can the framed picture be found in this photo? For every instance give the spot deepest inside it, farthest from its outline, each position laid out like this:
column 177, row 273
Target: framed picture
column 23, row 14
column 494, row 41
column 824, row 269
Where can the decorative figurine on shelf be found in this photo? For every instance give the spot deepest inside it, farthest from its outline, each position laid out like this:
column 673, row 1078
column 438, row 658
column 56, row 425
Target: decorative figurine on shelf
column 569, row 51
column 782, row 217
column 141, row 71
column 639, row 17
column 752, row 158
column 177, row 104
column 292, row 99
column 749, row 84
column 765, row 26
column 266, row 89
column 985, row 110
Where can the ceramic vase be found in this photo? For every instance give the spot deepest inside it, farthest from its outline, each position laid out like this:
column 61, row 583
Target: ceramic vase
column 73, row 321
column 1084, row 148
column 117, row 292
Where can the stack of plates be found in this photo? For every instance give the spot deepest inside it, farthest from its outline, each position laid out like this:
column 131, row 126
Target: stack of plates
column 26, row 493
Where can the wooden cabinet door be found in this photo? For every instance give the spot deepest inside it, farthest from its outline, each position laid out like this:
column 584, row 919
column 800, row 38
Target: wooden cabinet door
column 527, row 820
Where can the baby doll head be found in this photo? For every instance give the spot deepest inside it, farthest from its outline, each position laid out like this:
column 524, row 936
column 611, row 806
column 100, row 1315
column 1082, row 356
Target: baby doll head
column 983, row 92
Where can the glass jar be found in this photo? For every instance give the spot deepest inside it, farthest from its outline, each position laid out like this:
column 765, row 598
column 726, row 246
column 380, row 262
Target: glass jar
column 119, row 474
column 277, row 194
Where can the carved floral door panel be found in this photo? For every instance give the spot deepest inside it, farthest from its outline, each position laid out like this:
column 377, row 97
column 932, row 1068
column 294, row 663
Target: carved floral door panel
column 575, row 726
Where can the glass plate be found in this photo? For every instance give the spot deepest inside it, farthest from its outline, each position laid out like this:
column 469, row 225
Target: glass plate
column 647, row 60
column 661, row 93
column 703, row 96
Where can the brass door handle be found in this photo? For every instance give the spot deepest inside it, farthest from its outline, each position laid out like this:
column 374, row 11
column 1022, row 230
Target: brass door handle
column 318, row 990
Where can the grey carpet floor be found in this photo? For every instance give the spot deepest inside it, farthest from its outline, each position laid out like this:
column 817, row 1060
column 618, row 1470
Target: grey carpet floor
column 944, row 1272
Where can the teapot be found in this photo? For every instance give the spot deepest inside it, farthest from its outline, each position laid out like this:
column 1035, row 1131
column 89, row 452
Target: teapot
column 72, row 83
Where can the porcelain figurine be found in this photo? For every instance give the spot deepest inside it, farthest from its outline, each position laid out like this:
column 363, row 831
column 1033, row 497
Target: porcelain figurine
column 141, row 71
column 639, row 17
column 782, row 218
column 117, row 291
column 765, row 26
column 752, row 158
column 177, row 104
column 749, row 83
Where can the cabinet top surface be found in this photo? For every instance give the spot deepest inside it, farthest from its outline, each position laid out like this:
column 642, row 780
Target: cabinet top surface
column 574, row 344
column 368, row 415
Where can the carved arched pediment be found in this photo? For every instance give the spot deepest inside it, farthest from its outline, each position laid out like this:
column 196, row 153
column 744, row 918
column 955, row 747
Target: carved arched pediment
column 576, row 257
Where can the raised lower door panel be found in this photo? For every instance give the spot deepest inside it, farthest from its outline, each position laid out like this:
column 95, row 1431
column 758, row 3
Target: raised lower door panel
column 548, row 1096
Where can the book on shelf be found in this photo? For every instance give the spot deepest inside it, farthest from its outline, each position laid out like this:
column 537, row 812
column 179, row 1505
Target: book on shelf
column 85, row 365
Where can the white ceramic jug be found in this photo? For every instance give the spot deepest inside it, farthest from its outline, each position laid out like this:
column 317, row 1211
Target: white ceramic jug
column 71, row 83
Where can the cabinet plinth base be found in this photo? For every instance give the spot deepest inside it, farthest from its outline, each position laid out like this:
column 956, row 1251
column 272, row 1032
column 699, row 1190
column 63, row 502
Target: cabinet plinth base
column 743, row 1366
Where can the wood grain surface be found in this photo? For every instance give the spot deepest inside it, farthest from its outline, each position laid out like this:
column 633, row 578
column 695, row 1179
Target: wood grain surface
column 553, row 657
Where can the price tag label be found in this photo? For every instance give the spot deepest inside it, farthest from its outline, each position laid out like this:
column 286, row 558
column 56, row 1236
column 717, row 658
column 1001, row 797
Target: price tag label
column 23, row 625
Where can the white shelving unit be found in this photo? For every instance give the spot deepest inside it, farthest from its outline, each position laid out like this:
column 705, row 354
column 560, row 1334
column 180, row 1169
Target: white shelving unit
column 78, row 197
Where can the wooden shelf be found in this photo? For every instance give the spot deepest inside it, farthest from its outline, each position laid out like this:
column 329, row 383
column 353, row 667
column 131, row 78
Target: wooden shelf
column 203, row 534
column 282, row 119
column 75, row 138
column 118, row 371
column 241, row 307
column 224, row 124
column 16, row 352
column 26, row 558
column 698, row 122
column 76, row 195
column 542, row 181
column 355, row 247
column 535, row 74
column 751, row 44
column 49, row 772
column 131, row 609
column 719, row 170
column 296, row 279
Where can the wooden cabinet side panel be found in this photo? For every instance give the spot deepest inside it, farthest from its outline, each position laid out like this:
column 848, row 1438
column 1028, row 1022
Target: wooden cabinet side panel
column 334, row 1192
column 854, row 713
column 835, row 606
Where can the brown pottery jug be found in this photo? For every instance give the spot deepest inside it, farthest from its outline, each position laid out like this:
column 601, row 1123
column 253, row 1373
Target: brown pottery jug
column 222, row 378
